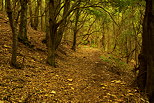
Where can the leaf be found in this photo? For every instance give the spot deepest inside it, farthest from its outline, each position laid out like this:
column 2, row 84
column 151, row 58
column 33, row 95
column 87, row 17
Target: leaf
column 129, row 90
column 48, row 95
column 53, row 92
column 5, row 46
column 70, row 84
column 70, row 80
column 72, row 88
column 1, row 101
column 103, row 87
column 116, row 81
column 130, row 94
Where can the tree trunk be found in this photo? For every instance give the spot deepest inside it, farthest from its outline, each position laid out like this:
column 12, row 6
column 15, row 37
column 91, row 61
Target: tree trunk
column 77, row 15
column 36, row 14
column 31, row 13
column 52, row 34
column 146, row 70
column 42, row 6
column 55, row 31
column 47, row 23
column 63, row 24
column 1, row 5
column 13, row 25
column 150, row 48
column 23, row 23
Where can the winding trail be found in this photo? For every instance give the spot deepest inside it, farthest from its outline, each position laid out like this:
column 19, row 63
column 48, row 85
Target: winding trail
column 90, row 81
column 81, row 77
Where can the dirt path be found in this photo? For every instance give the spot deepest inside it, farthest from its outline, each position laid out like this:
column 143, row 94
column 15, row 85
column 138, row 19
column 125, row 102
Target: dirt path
column 90, row 82
column 81, row 77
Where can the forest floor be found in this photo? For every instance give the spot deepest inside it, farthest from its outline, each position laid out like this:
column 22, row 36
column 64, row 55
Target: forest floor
column 80, row 77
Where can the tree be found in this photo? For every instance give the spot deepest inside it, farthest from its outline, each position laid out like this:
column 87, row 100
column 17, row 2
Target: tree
column 77, row 15
column 146, row 70
column 2, row 5
column 13, row 24
column 22, row 36
column 34, row 8
column 51, row 42
column 56, row 27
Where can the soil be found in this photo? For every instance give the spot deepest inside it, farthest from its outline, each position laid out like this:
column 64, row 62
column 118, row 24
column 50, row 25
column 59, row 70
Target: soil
column 80, row 77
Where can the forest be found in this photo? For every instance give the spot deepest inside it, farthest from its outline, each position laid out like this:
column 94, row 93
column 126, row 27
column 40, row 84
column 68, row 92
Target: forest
column 76, row 51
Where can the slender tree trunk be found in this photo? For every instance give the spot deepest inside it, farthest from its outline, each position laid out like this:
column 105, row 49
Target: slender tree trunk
column 23, row 22
column 77, row 15
column 36, row 20
column 13, row 25
column 31, row 13
column 63, row 24
column 47, row 23
column 42, row 6
column 1, row 3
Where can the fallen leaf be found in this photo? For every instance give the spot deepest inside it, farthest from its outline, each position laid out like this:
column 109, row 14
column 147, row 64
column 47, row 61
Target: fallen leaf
column 70, row 80
column 130, row 94
column 113, row 81
column 103, row 87
column 53, row 92
column 70, row 84
column 117, row 81
column 48, row 95
column 1, row 101
column 5, row 46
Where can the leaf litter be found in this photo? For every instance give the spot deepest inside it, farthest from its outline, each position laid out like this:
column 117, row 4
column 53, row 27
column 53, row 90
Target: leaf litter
column 80, row 77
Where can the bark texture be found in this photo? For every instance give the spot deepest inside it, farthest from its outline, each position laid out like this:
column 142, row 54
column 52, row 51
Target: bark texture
column 13, row 25
column 146, row 70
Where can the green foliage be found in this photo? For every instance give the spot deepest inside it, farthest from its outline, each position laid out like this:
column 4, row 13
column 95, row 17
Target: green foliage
column 122, row 4
column 105, row 59
column 96, row 12
column 84, row 42
column 93, row 45
column 112, row 60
